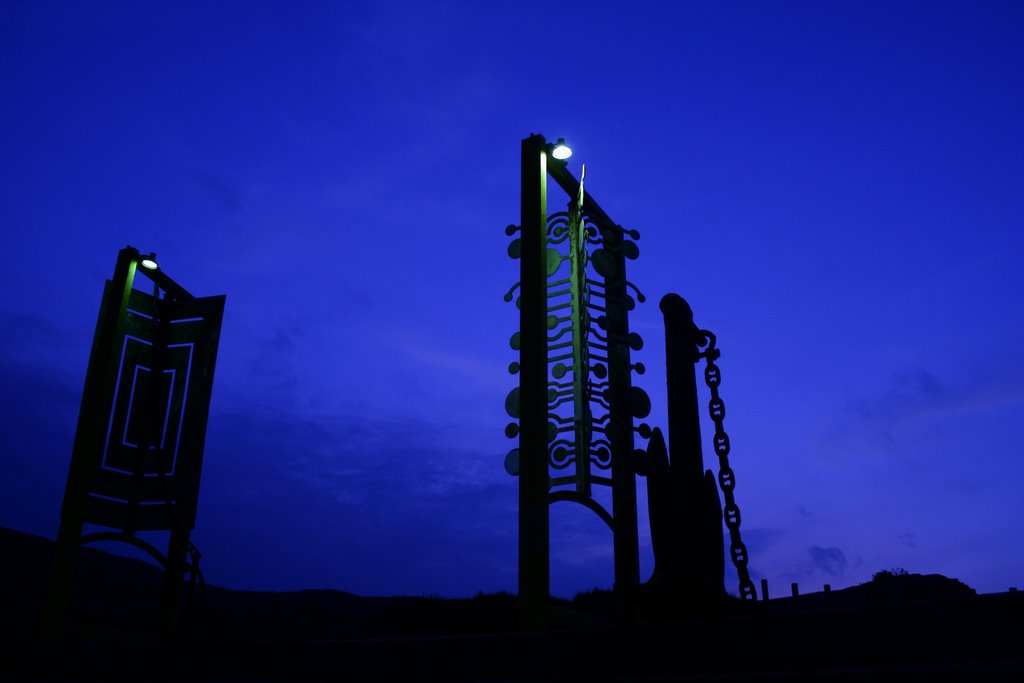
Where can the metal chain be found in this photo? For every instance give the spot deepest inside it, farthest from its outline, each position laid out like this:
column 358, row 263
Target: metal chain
column 726, row 477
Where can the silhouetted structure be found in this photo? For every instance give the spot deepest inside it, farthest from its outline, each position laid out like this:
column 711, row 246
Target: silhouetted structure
column 575, row 403
column 893, row 628
column 138, row 446
column 685, row 512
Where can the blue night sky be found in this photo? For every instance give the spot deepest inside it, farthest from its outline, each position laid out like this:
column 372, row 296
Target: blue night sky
column 836, row 187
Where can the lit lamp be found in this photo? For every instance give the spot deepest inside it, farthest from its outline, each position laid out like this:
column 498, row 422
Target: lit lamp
column 149, row 262
column 561, row 151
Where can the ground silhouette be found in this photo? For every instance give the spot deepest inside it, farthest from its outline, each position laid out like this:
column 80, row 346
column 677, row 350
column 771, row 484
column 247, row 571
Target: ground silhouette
column 895, row 627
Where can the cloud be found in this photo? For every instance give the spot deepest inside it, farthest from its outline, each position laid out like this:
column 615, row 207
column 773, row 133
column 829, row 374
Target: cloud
column 368, row 505
column 831, row 561
column 907, row 392
column 34, row 339
column 482, row 371
column 878, row 424
column 40, row 408
column 288, row 500
column 918, row 394
column 758, row 539
column 223, row 192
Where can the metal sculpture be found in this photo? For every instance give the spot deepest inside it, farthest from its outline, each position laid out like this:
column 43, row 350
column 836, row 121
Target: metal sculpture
column 138, row 446
column 575, row 403
column 685, row 512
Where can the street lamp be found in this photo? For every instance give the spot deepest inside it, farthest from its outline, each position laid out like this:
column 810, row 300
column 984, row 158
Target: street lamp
column 561, row 151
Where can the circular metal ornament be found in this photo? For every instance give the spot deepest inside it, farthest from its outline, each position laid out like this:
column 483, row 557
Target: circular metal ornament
column 512, row 403
column 515, row 248
column 512, row 462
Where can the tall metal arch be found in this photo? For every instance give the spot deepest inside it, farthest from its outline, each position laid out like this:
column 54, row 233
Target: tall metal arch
column 575, row 404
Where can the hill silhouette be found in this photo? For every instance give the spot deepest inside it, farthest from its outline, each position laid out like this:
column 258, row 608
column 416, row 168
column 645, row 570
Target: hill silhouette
column 116, row 597
column 895, row 627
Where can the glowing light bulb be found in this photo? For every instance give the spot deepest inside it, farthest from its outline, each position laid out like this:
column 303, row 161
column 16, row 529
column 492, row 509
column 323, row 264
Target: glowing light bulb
column 148, row 264
column 561, row 151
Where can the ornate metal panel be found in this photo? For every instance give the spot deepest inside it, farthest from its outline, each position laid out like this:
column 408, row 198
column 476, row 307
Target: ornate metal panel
column 575, row 406
column 138, row 447
column 588, row 351
column 148, row 472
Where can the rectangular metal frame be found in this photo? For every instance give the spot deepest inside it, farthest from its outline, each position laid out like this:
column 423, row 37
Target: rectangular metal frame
column 138, row 448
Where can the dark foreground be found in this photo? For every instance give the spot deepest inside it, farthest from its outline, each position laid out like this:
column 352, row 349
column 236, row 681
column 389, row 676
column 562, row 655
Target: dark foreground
column 904, row 629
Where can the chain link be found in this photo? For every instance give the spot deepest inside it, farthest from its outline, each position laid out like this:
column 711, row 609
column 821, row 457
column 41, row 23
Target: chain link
column 726, row 476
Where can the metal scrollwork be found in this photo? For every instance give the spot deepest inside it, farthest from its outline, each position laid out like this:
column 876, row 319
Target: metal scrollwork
column 588, row 350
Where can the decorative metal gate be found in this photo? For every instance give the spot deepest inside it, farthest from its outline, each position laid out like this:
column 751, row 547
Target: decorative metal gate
column 575, row 404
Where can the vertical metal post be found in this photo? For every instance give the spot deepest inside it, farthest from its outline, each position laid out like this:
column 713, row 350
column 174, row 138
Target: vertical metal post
column 174, row 570
column 174, row 577
column 534, row 548
column 684, row 432
column 627, row 553
column 90, row 438
column 580, row 353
